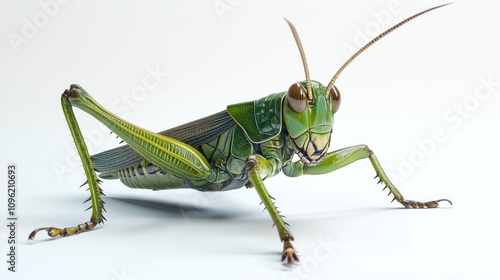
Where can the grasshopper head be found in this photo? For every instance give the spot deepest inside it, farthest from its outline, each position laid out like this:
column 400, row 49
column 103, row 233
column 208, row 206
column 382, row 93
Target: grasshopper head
column 309, row 119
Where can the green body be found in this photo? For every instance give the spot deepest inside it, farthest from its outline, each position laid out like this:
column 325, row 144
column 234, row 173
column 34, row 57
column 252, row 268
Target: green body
column 240, row 146
column 254, row 128
column 226, row 151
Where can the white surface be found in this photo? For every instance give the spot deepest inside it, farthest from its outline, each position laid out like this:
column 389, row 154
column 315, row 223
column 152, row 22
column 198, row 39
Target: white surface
column 394, row 95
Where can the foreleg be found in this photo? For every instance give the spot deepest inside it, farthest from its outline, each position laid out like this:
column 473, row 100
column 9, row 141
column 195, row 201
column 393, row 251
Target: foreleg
column 340, row 158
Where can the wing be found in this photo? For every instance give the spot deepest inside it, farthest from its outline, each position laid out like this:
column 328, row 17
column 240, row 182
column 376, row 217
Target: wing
column 194, row 133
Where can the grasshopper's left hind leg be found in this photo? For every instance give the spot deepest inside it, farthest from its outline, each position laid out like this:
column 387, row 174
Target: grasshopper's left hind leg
column 92, row 180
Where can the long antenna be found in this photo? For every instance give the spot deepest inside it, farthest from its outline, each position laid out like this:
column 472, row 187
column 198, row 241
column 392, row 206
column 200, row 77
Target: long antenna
column 304, row 61
column 330, row 85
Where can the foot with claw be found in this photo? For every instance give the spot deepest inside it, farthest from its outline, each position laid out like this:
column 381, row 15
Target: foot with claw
column 398, row 196
column 53, row 231
column 289, row 254
column 418, row 204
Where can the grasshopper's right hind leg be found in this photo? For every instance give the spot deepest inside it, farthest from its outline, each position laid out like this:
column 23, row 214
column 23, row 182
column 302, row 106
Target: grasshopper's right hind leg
column 92, row 180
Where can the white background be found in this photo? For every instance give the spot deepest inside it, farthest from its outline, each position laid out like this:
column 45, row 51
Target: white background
column 395, row 97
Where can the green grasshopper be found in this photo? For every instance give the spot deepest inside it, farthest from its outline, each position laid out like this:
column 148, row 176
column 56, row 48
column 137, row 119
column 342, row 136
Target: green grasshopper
column 240, row 146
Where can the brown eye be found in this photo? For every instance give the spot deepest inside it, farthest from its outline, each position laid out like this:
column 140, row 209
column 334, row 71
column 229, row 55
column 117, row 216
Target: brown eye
column 297, row 97
column 335, row 94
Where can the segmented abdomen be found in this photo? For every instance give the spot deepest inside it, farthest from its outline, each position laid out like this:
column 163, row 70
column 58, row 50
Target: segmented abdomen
column 151, row 177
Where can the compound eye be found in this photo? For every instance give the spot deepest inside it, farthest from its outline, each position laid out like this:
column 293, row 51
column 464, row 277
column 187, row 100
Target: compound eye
column 335, row 94
column 297, row 97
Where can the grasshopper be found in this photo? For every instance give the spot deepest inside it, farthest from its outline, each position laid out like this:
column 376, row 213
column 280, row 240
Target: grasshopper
column 240, row 146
